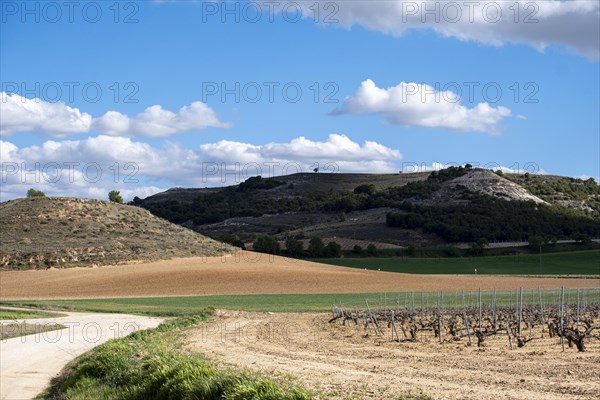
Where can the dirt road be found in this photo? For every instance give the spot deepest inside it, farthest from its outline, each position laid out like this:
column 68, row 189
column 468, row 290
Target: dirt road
column 28, row 363
column 338, row 362
column 245, row 273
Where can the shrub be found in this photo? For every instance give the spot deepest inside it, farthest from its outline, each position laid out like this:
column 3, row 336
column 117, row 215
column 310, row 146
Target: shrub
column 266, row 244
column 316, row 247
column 294, row 247
column 371, row 250
column 115, row 196
column 35, row 193
column 333, row 250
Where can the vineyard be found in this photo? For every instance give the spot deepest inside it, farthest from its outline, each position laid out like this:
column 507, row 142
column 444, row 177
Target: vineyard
column 520, row 316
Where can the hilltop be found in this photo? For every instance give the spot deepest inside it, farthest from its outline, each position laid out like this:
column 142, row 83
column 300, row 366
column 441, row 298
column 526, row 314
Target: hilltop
column 65, row 232
column 451, row 205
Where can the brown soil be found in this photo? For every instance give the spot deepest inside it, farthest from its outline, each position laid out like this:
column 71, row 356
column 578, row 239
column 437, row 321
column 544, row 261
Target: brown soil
column 244, row 273
column 339, row 362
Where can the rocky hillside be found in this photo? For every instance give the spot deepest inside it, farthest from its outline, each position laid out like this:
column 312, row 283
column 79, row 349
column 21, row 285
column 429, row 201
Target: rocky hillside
column 66, row 232
column 488, row 183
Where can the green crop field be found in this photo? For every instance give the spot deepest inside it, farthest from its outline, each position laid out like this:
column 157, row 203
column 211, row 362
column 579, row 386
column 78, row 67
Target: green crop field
column 190, row 305
column 568, row 263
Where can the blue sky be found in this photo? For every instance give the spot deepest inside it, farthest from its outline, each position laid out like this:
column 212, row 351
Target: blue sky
column 369, row 70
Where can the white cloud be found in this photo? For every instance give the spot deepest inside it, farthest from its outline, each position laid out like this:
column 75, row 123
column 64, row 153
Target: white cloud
column 336, row 154
column 414, row 104
column 337, row 147
column 532, row 168
column 70, row 167
column 155, row 121
column 19, row 114
column 571, row 23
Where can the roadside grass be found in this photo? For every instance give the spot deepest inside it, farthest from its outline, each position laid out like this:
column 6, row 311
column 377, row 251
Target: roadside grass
column 9, row 331
column 9, row 314
column 191, row 305
column 151, row 364
column 567, row 263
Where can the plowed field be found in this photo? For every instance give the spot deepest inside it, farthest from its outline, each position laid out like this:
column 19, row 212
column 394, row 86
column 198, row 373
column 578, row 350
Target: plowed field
column 244, row 273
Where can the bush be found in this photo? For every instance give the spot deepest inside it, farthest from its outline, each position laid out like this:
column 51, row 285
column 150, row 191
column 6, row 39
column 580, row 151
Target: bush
column 316, row 247
column 371, row 250
column 35, row 193
column 266, row 244
column 536, row 241
column 115, row 196
column 366, row 189
column 451, row 251
column 294, row 248
column 234, row 240
column 333, row 250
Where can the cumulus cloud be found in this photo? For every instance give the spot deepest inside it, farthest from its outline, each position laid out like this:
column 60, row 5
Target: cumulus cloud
column 91, row 167
column 414, row 104
column 20, row 114
column 573, row 24
column 155, row 121
column 530, row 167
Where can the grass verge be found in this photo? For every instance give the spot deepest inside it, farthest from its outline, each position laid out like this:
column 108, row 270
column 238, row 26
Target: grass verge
column 151, row 364
column 8, row 331
column 9, row 314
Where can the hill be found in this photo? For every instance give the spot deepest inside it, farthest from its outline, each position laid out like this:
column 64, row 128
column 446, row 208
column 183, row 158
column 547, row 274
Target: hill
column 451, row 205
column 64, row 232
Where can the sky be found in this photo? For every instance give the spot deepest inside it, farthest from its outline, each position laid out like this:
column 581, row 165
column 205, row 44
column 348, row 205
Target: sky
column 144, row 96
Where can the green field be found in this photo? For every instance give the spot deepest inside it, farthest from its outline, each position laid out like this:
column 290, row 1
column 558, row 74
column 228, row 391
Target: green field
column 8, row 314
column 567, row 263
column 190, row 305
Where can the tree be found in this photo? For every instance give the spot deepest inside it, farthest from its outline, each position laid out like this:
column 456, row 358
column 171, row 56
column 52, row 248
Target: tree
column 582, row 238
column 266, row 244
column 115, row 196
column 366, row 189
column 234, row 240
column 293, row 247
column 316, row 247
column 468, row 166
column 371, row 250
column 535, row 241
column 479, row 245
column 35, row 193
column 357, row 250
column 451, row 251
column 316, row 170
column 136, row 201
column 333, row 250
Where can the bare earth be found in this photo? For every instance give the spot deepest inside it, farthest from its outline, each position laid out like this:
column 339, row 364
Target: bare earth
column 243, row 273
column 338, row 362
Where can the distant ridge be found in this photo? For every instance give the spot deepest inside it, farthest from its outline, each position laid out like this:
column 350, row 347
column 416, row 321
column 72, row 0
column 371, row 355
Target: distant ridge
column 452, row 205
